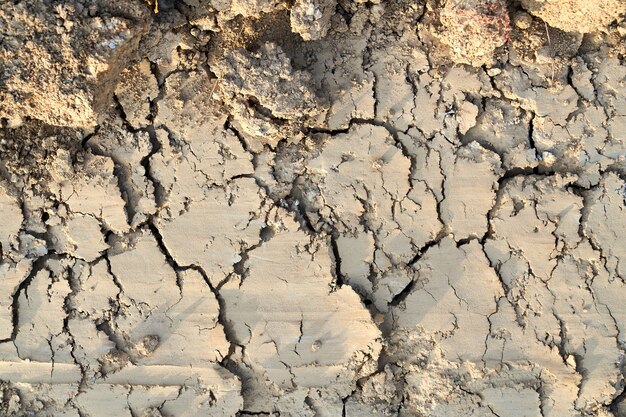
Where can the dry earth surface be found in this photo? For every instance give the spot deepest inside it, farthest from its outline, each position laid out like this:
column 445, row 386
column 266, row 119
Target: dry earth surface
column 357, row 208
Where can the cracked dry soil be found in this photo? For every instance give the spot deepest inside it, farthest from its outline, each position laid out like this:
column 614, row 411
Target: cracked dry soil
column 329, row 208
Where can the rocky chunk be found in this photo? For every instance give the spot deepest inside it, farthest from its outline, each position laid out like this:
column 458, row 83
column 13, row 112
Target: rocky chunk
column 230, row 9
column 80, row 50
column 582, row 16
column 344, row 82
column 135, row 91
column 29, row 152
column 544, row 52
column 472, row 30
column 269, row 99
column 304, row 347
column 186, row 95
column 311, row 18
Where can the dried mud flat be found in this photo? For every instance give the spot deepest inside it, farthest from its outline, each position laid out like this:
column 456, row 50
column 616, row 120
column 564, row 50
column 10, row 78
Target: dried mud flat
column 315, row 208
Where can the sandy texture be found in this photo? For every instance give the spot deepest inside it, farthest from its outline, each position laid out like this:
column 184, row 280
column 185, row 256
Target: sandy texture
column 312, row 209
column 576, row 15
column 61, row 61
